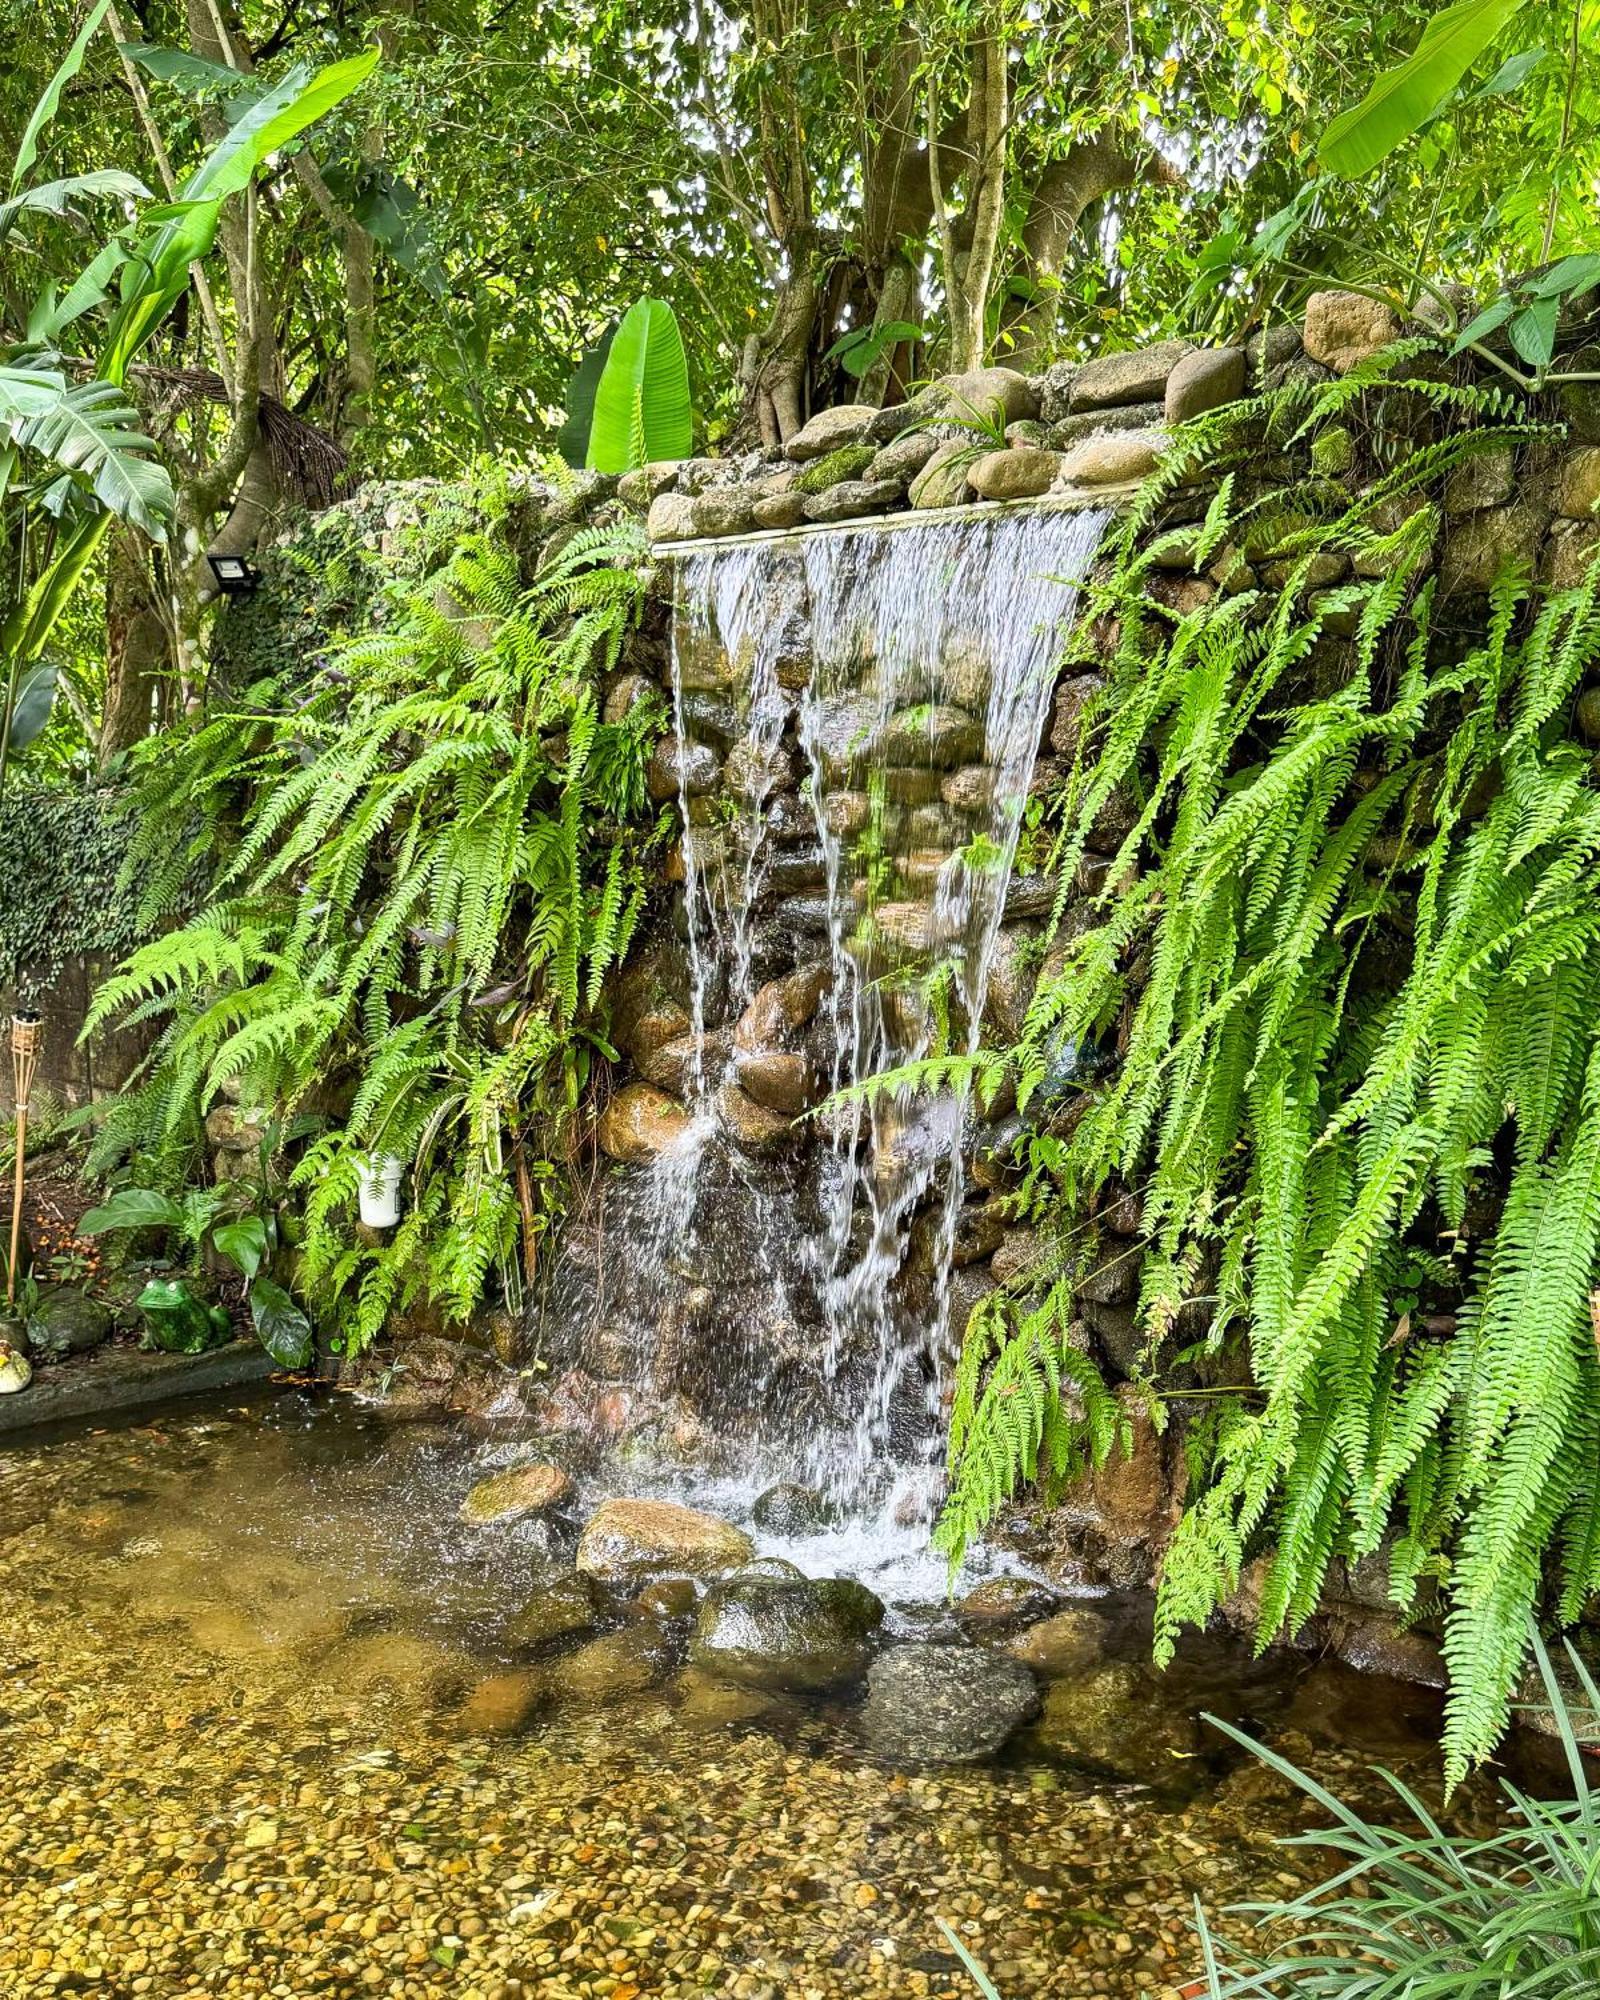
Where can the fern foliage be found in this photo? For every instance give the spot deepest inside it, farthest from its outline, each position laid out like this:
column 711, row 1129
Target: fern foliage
column 428, row 861
column 1349, row 956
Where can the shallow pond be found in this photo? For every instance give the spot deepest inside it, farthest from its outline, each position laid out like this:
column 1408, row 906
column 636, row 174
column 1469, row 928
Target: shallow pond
column 261, row 1732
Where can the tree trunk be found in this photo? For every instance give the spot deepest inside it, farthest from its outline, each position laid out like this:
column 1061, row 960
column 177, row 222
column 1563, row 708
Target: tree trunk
column 1067, row 187
column 137, row 651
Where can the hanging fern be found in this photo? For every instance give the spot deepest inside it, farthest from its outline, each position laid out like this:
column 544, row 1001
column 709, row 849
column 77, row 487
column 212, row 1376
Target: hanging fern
column 428, row 865
column 1351, row 960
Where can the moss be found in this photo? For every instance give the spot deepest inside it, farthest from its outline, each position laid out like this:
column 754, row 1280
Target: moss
column 848, row 462
column 61, row 854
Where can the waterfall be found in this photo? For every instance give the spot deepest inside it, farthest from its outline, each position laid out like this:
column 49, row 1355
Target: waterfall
column 879, row 696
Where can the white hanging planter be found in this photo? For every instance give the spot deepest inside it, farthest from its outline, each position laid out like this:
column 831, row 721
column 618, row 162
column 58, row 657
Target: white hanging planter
column 378, row 1187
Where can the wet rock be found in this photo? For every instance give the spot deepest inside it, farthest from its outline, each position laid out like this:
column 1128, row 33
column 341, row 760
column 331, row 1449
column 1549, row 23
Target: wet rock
column 1102, row 423
column 629, row 1541
column 1203, row 381
column 1018, row 474
column 1343, row 329
column 571, row 1605
column 1116, row 460
column 757, row 771
column 1587, row 715
column 1063, row 1644
column 1480, row 547
column 67, row 1321
column 774, row 1627
column 671, row 1067
column 780, row 510
column 987, row 395
column 1111, row 1718
column 1138, row 377
column 942, row 482
column 234, row 1129
column 970, row 789
column 677, row 766
column 625, row 695
column 1375, row 1642
column 777, row 1080
column 515, row 1495
column 845, row 423
column 1577, row 490
column 846, row 813
column 614, row 1666
column 640, row 1123
column 726, row 510
column 1023, row 1252
column 1001, row 1602
column 671, row 518
column 753, row 1127
column 945, row 1704
column 705, row 1702
column 502, row 1704
column 789, row 1509
column 935, row 733
column 851, row 498
column 670, row 1600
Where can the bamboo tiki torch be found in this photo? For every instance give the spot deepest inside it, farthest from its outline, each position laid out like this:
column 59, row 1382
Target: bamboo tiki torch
column 27, row 1033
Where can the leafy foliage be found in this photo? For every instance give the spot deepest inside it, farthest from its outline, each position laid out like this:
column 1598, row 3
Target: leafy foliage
column 1348, row 952
column 641, row 402
column 1416, row 1910
column 439, row 859
column 61, row 859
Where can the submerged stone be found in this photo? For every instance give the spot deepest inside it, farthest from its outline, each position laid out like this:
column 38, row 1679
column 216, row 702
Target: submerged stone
column 502, row 1704
column 945, row 1704
column 615, row 1665
column 627, row 1541
column 773, row 1627
column 1112, row 1718
column 570, row 1606
column 514, row 1495
column 1003, row 1601
column 1065, row 1644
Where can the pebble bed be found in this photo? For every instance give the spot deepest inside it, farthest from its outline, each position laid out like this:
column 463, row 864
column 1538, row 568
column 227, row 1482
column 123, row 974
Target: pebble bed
column 256, row 1738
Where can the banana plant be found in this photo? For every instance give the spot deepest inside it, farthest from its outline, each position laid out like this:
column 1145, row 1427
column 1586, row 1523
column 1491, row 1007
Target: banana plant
column 73, row 456
column 642, row 412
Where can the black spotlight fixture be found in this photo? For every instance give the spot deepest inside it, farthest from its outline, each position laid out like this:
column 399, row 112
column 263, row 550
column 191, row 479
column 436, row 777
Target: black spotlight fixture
column 235, row 575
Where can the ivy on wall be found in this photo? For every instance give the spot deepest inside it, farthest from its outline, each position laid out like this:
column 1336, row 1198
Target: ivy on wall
column 61, row 855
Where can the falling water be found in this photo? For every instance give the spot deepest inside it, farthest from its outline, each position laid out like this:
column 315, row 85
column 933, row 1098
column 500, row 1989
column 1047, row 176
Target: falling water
column 904, row 676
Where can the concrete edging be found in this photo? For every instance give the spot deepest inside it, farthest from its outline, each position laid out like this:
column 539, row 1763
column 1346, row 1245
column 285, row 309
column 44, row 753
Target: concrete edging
column 118, row 1380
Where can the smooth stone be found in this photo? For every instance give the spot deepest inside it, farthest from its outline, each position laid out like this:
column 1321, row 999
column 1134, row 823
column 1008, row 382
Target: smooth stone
column 851, row 498
column 1098, row 423
column 626, row 694
column 1136, row 377
column 1488, row 479
column 671, row 518
column 780, row 510
column 628, row 1541
column 514, row 1495
column 933, row 733
column 789, row 1509
column 753, row 1127
column 1072, row 698
column 777, row 1628
column 1343, row 329
column 1066, row 1643
column 571, row 1605
column 616, row 1665
column 1021, row 473
column 640, row 1123
column 1000, row 1602
column 1111, row 1717
column 942, row 482
column 1204, row 381
column 502, row 1704
column 678, row 767
column 725, row 510
column 756, row 771
column 904, row 457
column 67, row 1321
column 986, row 395
column 1118, row 459
column 945, row 1704
column 776, row 1079
column 845, row 423
column 672, row 1600
column 1577, row 491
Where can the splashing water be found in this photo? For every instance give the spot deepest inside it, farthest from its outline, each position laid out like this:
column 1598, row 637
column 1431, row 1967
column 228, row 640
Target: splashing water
column 799, row 1294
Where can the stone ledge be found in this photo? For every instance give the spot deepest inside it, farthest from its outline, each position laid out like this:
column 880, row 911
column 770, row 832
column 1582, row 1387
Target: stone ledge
column 118, row 1380
column 1081, row 500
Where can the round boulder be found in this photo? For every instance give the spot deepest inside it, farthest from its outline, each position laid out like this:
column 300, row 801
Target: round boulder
column 1111, row 1718
column 787, row 1509
column 629, row 1541
column 641, row 1122
column 514, row 1495
column 945, row 1704
column 67, row 1322
column 571, row 1605
column 769, row 1628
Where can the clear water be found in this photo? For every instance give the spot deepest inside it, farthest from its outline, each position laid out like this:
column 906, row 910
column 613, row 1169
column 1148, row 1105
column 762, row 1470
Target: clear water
column 261, row 1732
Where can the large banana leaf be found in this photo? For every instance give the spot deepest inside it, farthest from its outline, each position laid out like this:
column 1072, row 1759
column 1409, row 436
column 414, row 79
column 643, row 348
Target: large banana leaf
column 45, row 109
column 57, row 197
column 92, row 429
column 641, row 406
column 572, row 440
column 1406, row 97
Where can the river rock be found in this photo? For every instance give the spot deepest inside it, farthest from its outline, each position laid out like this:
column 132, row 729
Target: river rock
column 782, row 1629
column 942, row 482
column 1203, row 381
column 1000, row 1602
column 670, row 1600
column 758, row 770
column 845, row 423
column 752, row 1126
column 572, row 1604
column 789, row 1509
column 725, row 510
column 937, row 734
column 625, row 694
column 502, row 1704
column 1018, row 474
column 1115, row 460
column 1137, row 377
column 780, row 510
column 1112, row 1718
column 67, row 1321
column 1343, row 329
column 848, row 499
column 615, row 1665
column 628, row 1541
column 945, row 1704
column 1099, row 423
column 987, row 395
column 1063, row 1644
column 678, row 766
column 671, row 518
column 777, row 1079
column 903, row 457
column 515, row 1495
column 639, row 1123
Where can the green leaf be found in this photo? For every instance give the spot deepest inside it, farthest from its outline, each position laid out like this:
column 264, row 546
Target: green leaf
column 1486, row 322
column 1532, row 332
column 1404, row 98
column 132, row 1208
column 282, row 1328
column 36, row 693
column 275, row 118
column 89, row 428
column 1571, row 274
column 572, row 440
column 1512, row 74
column 390, row 210
column 243, row 1242
column 57, row 197
column 642, row 412
column 193, row 75
column 45, row 109
column 859, row 351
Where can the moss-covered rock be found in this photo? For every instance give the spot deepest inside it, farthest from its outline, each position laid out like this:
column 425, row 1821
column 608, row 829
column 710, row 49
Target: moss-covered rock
column 850, row 461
